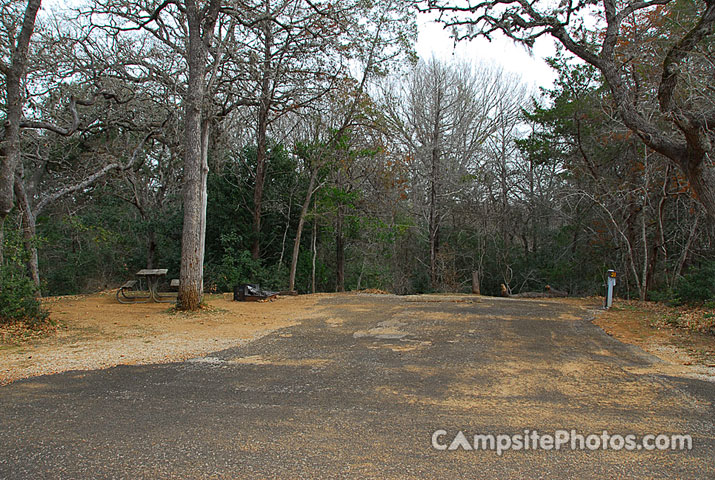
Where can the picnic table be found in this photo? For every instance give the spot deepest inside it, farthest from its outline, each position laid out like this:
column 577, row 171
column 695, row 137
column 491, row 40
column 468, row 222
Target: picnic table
column 129, row 293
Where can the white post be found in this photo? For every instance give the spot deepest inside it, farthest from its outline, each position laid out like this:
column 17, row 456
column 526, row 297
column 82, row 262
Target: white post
column 610, row 282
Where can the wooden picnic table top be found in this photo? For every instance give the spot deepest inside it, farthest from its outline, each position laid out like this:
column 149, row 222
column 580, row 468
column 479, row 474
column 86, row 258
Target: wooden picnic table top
column 152, row 272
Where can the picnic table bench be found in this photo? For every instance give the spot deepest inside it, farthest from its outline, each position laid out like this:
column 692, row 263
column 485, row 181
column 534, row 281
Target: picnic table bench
column 129, row 293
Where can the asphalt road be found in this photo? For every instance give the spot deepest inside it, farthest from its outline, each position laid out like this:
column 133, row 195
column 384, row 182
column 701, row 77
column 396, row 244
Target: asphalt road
column 358, row 391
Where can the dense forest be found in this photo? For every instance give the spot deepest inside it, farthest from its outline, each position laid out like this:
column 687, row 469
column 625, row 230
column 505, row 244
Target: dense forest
column 328, row 157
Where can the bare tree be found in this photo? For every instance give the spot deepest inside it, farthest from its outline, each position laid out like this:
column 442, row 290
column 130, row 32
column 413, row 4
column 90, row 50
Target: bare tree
column 443, row 115
column 683, row 131
column 289, row 60
column 296, row 51
column 381, row 39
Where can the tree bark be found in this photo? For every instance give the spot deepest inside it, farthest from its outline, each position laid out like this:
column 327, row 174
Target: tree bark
column 2, row 243
column 362, row 271
column 314, row 250
column 339, row 252
column 29, row 229
column 14, row 76
column 285, row 230
column 433, row 216
column 475, row 283
column 151, row 250
column 195, row 152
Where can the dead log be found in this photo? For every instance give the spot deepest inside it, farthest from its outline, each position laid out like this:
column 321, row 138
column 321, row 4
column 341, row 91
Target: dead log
column 549, row 293
column 555, row 293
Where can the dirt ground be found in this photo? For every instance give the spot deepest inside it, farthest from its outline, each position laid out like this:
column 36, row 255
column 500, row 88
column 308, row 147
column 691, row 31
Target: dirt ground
column 683, row 351
column 95, row 331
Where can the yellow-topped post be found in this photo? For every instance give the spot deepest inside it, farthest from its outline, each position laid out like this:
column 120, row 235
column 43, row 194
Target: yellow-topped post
column 610, row 283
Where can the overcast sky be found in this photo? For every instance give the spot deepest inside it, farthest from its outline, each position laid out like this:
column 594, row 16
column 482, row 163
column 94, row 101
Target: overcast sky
column 434, row 40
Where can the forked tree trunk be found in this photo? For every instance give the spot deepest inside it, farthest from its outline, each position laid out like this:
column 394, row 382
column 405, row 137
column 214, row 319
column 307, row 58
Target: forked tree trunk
column 29, row 229
column 10, row 141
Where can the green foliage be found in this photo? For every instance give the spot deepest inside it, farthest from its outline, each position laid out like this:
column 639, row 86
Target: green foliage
column 18, row 294
column 666, row 295
column 230, row 204
column 18, row 301
column 236, row 266
column 698, row 285
column 89, row 250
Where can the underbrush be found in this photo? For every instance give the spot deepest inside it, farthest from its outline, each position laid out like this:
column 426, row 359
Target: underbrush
column 19, row 301
column 694, row 318
column 696, row 288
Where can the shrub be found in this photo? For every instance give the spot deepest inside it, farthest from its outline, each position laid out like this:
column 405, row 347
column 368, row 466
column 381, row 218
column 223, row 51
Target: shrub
column 18, row 301
column 666, row 296
column 236, row 266
column 698, row 285
column 18, row 294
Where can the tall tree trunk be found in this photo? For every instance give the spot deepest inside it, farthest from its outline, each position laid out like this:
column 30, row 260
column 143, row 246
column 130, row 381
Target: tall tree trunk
column 151, row 250
column 684, row 255
column 29, row 229
column 339, row 252
column 205, row 132
column 260, row 182
column 285, row 230
column 195, row 172
column 475, row 283
column 2, row 243
column 434, row 196
column 701, row 175
column 433, row 223
column 299, row 231
column 261, row 132
column 314, row 250
column 10, row 142
column 362, row 271
column 643, row 285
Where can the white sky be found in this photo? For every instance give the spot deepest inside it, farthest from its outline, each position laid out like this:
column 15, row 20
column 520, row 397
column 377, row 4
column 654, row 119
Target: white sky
column 434, row 40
